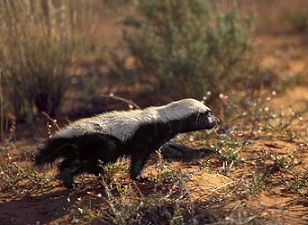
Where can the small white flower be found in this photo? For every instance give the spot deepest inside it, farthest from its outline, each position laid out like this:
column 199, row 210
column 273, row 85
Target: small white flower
column 80, row 210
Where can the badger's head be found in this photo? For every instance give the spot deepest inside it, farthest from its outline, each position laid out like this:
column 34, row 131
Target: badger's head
column 192, row 115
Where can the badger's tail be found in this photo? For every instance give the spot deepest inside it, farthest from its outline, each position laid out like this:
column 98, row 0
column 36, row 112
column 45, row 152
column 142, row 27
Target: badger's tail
column 55, row 148
column 182, row 153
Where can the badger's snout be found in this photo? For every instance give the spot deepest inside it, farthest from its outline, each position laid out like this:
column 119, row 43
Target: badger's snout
column 216, row 120
column 212, row 120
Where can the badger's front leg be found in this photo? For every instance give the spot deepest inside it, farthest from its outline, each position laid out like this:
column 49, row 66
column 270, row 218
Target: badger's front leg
column 138, row 160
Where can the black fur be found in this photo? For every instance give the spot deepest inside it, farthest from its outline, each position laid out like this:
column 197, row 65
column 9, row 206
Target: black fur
column 81, row 154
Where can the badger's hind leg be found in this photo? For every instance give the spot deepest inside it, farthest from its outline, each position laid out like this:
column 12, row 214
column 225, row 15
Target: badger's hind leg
column 71, row 168
column 91, row 149
column 68, row 170
column 98, row 150
column 94, row 167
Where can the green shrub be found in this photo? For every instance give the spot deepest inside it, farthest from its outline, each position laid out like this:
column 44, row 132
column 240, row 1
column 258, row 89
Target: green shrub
column 38, row 41
column 191, row 47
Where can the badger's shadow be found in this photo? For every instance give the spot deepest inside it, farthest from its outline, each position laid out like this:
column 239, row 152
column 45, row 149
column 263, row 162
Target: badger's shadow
column 176, row 152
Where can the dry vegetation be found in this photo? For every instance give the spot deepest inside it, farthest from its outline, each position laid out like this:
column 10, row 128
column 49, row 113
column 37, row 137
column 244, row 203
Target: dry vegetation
column 259, row 174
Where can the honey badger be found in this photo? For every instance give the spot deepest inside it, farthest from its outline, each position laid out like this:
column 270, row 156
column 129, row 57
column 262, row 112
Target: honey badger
column 106, row 137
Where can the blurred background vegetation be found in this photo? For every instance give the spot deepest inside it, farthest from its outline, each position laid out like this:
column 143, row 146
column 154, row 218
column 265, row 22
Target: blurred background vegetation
column 189, row 47
column 39, row 42
column 60, row 56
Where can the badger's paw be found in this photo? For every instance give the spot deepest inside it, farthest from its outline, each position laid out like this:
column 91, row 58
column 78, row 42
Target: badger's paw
column 145, row 180
column 68, row 180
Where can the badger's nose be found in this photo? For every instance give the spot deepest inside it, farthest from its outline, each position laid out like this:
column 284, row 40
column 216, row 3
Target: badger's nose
column 217, row 120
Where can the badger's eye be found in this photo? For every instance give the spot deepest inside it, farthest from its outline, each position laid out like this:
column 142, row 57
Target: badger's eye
column 209, row 114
